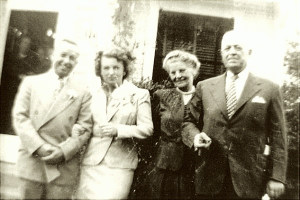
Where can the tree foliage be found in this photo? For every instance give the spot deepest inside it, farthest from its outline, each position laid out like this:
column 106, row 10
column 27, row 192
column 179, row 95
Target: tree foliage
column 291, row 96
column 124, row 25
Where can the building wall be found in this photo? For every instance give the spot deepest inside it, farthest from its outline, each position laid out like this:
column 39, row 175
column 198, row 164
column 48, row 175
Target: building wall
column 260, row 19
column 3, row 27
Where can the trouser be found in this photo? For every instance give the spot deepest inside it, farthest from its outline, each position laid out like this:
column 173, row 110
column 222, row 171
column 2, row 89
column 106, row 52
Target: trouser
column 35, row 190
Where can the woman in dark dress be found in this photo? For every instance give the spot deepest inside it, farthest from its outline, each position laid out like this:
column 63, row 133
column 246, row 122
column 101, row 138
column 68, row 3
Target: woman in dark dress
column 171, row 177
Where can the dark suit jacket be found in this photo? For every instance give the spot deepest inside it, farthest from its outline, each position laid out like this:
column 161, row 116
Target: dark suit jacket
column 240, row 140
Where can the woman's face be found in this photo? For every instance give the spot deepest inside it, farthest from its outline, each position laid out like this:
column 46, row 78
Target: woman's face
column 112, row 71
column 181, row 74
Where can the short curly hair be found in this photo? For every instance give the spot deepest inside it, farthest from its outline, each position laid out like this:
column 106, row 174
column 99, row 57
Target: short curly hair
column 121, row 54
column 186, row 57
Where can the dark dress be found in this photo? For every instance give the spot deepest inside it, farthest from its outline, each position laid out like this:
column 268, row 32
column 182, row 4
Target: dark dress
column 170, row 173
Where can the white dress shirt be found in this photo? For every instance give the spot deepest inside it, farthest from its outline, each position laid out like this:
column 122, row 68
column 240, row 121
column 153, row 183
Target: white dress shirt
column 56, row 81
column 239, row 82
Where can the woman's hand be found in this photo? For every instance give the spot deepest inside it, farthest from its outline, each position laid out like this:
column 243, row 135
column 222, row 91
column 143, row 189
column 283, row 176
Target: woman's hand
column 107, row 130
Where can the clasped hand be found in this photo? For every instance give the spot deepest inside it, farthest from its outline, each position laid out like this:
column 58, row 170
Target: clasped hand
column 201, row 140
column 50, row 154
column 106, row 130
column 275, row 189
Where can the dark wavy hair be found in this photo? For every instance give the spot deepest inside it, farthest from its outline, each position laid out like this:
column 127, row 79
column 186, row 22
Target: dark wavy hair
column 121, row 54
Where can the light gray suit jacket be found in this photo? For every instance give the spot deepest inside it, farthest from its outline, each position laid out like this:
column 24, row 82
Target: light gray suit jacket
column 130, row 111
column 38, row 119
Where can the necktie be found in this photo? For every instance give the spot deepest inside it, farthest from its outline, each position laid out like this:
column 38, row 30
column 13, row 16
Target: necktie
column 59, row 87
column 231, row 97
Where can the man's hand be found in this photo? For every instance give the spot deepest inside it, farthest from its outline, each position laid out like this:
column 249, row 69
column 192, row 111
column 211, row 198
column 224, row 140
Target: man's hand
column 201, row 140
column 55, row 157
column 44, row 150
column 275, row 188
column 77, row 130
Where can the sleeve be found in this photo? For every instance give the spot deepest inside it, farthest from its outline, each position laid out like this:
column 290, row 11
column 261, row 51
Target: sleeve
column 22, row 123
column 192, row 121
column 73, row 144
column 278, row 137
column 155, row 107
column 144, row 124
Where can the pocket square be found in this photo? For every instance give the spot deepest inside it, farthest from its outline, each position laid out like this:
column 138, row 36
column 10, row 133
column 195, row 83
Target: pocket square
column 258, row 99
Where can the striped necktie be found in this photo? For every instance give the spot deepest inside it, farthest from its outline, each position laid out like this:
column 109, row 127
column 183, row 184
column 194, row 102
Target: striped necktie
column 59, row 88
column 231, row 99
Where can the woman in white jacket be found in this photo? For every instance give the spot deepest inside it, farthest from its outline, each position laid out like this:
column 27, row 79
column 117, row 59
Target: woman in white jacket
column 121, row 112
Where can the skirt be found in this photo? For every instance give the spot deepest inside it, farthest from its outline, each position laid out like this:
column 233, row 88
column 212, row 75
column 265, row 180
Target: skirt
column 104, row 182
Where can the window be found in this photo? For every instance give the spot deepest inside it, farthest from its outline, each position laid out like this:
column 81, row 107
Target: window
column 200, row 35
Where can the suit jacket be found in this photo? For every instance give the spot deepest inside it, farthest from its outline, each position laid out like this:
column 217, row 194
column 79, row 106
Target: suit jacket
column 240, row 140
column 167, row 118
column 130, row 110
column 39, row 119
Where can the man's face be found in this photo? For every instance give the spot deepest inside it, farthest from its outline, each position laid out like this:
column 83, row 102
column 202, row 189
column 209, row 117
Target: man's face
column 65, row 59
column 234, row 52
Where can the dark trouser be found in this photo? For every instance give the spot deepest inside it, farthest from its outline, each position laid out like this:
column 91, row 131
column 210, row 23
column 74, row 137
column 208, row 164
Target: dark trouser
column 36, row 190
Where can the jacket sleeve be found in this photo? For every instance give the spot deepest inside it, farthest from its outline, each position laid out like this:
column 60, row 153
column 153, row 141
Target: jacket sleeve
column 278, row 137
column 22, row 123
column 73, row 144
column 155, row 107
column 144, row 124
column 192, row 122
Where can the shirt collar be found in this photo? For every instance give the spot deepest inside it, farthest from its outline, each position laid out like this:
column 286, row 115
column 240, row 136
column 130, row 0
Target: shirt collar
column 56, row 77
column 242, row 75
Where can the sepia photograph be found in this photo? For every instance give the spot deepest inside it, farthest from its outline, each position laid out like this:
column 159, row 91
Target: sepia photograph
column 149, row 99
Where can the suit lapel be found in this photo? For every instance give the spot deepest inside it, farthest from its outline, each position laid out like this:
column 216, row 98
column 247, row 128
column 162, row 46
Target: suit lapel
column 113, row 107
column 119, row 98
column 217, row 90
column 99, row 106
column 251, row 87
column 45, row 98
column 61, row 103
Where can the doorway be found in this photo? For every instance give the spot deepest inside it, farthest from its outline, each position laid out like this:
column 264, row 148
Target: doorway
column 28, row 49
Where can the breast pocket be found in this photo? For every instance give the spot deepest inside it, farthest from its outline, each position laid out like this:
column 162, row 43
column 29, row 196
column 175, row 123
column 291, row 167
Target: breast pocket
column 259, row 111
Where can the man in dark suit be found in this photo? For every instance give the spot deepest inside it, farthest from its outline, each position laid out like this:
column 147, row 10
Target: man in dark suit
column 243, row 130
column 46, row 108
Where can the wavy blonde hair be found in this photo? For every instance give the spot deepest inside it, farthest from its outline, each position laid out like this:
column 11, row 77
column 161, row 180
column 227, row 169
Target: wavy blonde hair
column 186, row 57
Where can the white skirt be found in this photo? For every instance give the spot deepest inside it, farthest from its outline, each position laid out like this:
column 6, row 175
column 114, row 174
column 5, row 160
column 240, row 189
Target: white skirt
column 104, row 182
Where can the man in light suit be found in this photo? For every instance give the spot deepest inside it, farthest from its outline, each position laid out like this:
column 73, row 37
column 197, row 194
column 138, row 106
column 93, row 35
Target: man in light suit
column 245, row 142
column 46, row 108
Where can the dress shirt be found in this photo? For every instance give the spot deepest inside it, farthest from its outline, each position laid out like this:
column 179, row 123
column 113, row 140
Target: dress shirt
column 239, row 82
column 56, row 79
